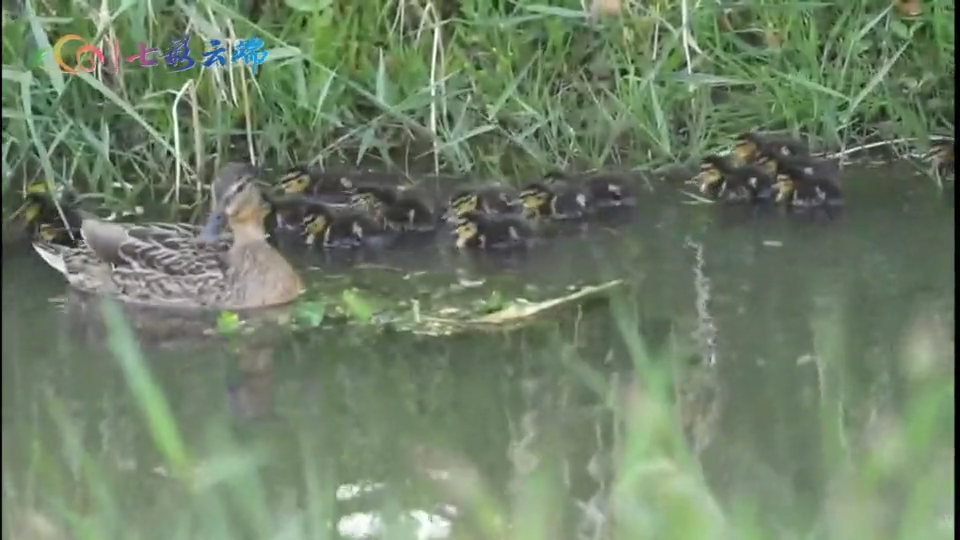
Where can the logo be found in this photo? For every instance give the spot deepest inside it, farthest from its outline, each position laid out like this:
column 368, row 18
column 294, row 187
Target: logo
column 177, row 56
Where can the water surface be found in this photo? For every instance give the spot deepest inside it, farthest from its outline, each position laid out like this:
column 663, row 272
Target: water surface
column 737, row 289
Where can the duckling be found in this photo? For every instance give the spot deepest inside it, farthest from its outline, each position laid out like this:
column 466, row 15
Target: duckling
column 399, row 209
column 302, row 181
column 801, row 188
column 41, row 217
column 750, row 144
column 713, row 169
column 747, row 184
column 475, row 230
column 555, row 199
column 822, row 168
column 321, row 225
column 940, row 157
column 486, row 199
column 604, row 190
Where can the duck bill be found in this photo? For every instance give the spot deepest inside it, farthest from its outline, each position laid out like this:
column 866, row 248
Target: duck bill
column 213, row 226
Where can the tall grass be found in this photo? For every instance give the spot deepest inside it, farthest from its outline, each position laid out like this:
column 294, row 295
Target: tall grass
column 475, row 86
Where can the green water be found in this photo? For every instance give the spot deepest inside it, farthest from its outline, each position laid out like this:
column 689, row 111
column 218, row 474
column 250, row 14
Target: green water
column 357, row 407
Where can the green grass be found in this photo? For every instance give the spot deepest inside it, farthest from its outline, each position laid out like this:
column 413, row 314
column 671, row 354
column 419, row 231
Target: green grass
column 881, row 469
column 482, row 87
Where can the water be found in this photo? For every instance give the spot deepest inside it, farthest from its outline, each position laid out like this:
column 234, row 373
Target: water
column 390, row 409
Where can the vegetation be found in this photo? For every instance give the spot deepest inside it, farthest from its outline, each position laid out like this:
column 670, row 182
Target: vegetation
column 884, row 469
column 494, row 88
column 473, row 86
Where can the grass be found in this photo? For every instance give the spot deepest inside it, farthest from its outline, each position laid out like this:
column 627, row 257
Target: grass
column 880, row 468
column 483, row 87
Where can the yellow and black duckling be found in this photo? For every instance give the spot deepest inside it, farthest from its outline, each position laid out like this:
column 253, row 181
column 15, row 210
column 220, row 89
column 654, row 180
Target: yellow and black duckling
column 721, row 179
column 475, row 230
column 941, row 158
column 486, row 200
column 42, row 219
column 802, row 188
column 816, row 167
column 321, row 225
column 303, row 181
column 603, row 190
column 556, row 198
column 750, row 145
column 397, row 208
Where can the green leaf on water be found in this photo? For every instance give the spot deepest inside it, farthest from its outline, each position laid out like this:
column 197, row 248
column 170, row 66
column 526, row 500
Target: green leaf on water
column 356, row 306
column 310, row 313
column 228, row 322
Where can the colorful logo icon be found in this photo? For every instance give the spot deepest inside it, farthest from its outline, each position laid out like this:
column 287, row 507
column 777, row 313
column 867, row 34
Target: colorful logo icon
column 176, row 56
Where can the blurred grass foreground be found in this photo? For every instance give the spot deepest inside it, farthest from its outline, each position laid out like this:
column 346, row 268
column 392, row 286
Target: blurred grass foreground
column 886, row 473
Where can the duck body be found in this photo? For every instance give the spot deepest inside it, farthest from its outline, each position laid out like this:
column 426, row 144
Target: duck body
column 803, row 189
column 751, row 145
column 603, row 190
column 713, row 172
column 303, row 181
column 43, row 220
column 556, row 200
column 747, row 185
column 484, row 199
column 475, row 230
column 323, row 226
column 180, row 265
column 398, row 209
column 941, row 158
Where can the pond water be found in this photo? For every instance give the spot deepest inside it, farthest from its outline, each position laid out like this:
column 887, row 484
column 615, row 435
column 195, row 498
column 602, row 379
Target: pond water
column 361, row 408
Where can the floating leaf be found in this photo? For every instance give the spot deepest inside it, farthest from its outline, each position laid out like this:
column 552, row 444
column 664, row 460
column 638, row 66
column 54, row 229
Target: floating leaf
column 310, row 313
column 228, row 322
column 514, row 315
column 356, row 306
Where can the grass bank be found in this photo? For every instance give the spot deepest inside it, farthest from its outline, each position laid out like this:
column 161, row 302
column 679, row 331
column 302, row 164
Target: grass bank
column 474, row 86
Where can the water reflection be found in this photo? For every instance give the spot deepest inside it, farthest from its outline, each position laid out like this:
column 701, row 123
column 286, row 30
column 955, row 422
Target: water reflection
column 414, row 430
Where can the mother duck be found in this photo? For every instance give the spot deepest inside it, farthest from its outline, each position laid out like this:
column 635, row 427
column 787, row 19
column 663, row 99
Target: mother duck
column 179, row 265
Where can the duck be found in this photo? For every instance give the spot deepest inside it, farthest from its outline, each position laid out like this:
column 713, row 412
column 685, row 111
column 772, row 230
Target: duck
column 604, row 190
column 44, row 219
column 940, row 157
column 713, row 169
column 396, row 208
column 485, row 199
column 321, row 225
column 478, row 231
column 802, row 188
column 747, row 184
column 749, row 145
column 721, row 179
column 173, row 265
column 301, row 180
